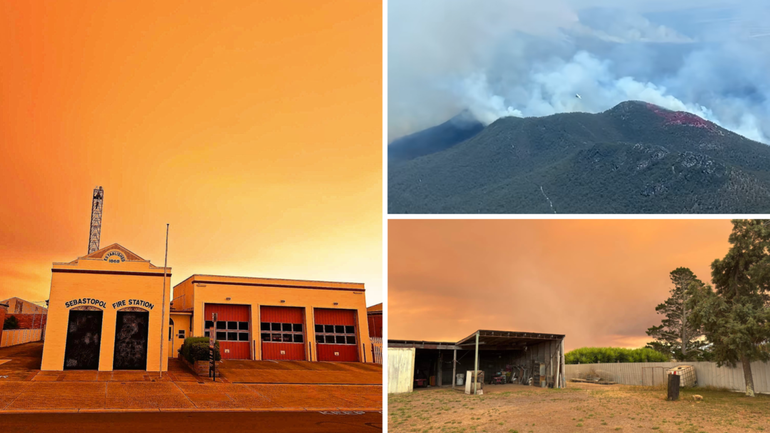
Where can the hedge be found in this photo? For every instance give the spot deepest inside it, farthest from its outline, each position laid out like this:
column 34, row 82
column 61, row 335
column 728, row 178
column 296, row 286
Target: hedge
column 594, row 355
column 197, row 349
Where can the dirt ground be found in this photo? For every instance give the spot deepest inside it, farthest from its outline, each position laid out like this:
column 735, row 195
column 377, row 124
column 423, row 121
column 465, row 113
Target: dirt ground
column 578, row 408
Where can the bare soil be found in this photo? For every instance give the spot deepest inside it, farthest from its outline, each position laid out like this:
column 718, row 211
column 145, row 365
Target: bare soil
column 578, row 408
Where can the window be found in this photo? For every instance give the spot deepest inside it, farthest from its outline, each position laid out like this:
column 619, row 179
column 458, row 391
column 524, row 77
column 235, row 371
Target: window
column 335, row 334
column 283, row 332
column 226, row 330
column 181, row 333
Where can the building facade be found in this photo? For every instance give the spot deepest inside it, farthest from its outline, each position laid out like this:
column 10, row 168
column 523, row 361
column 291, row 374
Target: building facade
column 21, row 306
column 375, row 320
column 28, row 315
column 275, row 319
column 105, row 312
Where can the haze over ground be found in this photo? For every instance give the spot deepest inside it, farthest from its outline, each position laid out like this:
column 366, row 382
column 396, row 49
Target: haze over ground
column 597, row 281
column 521, row 58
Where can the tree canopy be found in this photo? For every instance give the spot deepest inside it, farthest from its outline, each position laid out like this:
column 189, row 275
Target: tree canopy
column 735, row 313
column 677, row 336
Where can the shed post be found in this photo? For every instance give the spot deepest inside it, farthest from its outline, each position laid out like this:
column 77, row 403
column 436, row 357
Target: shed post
column 563, row 366
column 454, row 369
column 557, row 382
column 476, row 367
column 439, row 373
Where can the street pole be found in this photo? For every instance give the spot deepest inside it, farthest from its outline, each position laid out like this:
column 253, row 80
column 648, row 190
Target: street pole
column 163, row 324
column 476, row 367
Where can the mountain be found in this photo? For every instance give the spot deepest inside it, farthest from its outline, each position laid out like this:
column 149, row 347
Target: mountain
column 435, row 139
column 634, row 158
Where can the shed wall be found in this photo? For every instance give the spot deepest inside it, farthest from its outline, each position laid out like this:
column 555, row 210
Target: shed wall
column 400, row 370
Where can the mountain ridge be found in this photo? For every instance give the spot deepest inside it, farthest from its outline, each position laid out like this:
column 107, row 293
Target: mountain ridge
column 635, row 157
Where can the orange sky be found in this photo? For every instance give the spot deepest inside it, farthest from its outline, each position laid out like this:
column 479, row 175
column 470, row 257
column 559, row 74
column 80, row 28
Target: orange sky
column 254, row 128
column 597, row 281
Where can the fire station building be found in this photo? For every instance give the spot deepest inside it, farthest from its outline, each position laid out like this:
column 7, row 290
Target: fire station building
column 107, row 312
column 274, row 319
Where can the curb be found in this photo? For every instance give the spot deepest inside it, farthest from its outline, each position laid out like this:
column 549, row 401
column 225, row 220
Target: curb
column 176, row 409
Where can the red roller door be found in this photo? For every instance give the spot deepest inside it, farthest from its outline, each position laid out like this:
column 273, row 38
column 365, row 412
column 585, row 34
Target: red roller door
column 336, row 335
column 233, row 328
column 282, row 331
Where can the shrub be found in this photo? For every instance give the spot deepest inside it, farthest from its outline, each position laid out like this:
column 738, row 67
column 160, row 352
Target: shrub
column 594, row 355
column 10, row 322
column 197, row 349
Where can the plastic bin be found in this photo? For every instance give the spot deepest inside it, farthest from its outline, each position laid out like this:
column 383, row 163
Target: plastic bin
column 686, row 375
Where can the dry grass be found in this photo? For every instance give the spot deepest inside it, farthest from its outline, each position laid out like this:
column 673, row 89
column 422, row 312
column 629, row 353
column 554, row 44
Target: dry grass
column 580, row 407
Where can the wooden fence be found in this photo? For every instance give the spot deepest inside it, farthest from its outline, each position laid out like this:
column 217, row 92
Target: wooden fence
column 13, row 337
column 653, row 374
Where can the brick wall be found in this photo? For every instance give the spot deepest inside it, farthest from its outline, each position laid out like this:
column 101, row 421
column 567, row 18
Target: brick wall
column 30, row 321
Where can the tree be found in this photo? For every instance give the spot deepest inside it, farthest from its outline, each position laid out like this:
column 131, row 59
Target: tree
column 10, row 322
column 735, row 314
column 677, row 336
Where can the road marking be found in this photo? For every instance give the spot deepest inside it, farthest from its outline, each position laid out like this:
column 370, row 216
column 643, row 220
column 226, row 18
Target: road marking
column 341, row 412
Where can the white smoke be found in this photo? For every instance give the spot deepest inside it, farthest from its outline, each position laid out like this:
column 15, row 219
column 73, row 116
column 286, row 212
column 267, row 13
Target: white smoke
column 535, row 64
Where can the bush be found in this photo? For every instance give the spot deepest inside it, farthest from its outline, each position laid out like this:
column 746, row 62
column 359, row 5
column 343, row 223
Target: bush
column 197, row 349
column 10, row 323
column 594, row 355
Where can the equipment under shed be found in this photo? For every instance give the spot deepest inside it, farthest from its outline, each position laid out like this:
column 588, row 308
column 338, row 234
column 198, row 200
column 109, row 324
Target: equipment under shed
column 526, row 358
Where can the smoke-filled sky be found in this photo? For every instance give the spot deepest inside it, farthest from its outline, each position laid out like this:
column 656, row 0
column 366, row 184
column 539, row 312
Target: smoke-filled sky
column 530, row 58
column 253, row 127
column 597, row 281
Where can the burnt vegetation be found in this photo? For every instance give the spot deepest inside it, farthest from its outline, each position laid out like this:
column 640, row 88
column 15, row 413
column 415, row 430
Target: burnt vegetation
column 633, row 158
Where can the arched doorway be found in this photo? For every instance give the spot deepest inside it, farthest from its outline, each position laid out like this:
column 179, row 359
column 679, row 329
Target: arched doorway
column 131, row 335
column 84, row 339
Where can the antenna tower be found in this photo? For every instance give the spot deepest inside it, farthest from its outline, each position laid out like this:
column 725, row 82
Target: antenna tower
column 96, row 220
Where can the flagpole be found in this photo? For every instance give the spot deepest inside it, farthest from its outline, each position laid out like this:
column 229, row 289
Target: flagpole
column 163, row 307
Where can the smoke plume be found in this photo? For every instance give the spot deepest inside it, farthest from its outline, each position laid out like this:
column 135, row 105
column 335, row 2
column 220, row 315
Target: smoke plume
column 514, row 58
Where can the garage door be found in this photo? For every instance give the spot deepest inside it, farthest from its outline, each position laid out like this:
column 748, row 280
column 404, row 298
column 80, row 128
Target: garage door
column 232, row 329
column 282, row 332
column 336, row 336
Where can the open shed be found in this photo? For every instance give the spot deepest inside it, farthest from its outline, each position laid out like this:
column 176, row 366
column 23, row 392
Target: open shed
column 527, row 358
